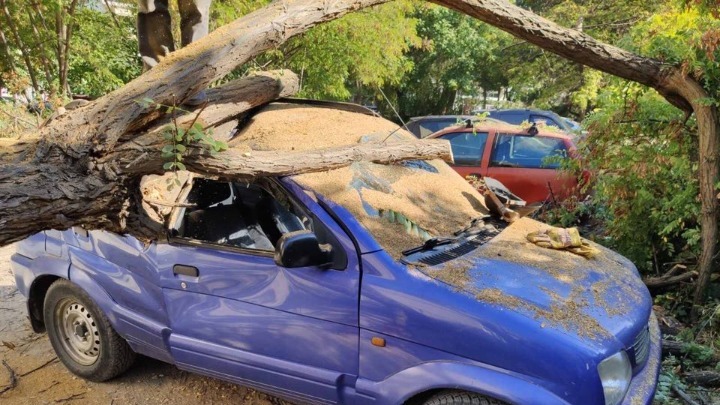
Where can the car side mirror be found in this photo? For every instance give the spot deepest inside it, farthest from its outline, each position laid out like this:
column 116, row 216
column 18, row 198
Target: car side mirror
column 301, row 249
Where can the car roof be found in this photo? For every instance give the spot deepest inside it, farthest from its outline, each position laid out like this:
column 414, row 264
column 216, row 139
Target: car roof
column 305, row 125
column 499, row 126
column 441, row 117
column 514, row 111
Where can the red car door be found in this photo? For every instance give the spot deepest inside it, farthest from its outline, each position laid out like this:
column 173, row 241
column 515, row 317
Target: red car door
column 528, row 166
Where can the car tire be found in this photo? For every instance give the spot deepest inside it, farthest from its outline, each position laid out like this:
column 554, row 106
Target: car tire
column 460, row 398
column 82, row 336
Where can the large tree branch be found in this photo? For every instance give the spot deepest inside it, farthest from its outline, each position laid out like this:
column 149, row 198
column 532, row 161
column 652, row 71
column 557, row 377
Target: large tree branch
column 238, row 164
column 573, row 45
column 193, row 68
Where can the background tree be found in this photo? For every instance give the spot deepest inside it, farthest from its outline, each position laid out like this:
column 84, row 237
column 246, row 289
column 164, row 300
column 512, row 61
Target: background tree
column 344, row 59
column 457, row 55
column 549, row 81
column 67, row 47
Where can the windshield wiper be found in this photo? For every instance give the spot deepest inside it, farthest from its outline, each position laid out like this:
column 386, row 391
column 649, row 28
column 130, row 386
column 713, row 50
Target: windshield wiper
column 429, row 245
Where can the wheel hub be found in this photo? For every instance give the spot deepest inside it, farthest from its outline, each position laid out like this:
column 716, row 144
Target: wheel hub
column 81, row 331
column 78, row 331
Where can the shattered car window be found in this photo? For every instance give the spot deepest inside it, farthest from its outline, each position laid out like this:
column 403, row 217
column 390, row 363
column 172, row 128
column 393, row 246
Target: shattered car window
column 402, row 205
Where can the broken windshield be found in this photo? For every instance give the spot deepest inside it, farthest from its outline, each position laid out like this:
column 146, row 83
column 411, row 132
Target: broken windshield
column 402, row 205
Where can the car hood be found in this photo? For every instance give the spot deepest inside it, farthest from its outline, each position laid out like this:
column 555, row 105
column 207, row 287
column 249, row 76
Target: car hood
column 590, row 300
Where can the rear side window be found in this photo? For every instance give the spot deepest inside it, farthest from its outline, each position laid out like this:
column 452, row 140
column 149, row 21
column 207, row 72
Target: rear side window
column 542, row 119
column 532, row 152
column 428, row 127
column 467, row 147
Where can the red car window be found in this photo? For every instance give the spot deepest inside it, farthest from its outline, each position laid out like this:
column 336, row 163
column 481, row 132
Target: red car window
column 467, row 147
column 532, row 152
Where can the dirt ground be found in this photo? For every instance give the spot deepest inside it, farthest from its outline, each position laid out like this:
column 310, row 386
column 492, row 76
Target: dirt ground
column 39, row 378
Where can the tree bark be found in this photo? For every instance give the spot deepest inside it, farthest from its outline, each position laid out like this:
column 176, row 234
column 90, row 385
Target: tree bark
column 706, row 378
column 45, row 187
column 654, row 283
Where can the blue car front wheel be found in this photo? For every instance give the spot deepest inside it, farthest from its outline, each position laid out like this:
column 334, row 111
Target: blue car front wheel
column 82, row 336
column 453, row 397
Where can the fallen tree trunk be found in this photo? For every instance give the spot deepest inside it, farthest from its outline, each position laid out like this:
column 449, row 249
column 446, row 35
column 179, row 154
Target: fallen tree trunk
column 654, row 283
column 60, row 186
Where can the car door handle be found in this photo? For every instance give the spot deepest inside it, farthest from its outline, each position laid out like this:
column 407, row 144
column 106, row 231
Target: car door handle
column 186, row 270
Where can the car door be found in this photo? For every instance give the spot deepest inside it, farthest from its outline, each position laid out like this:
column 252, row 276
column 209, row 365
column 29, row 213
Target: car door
column 527, row 165
column 468, row 150
column 235, row 314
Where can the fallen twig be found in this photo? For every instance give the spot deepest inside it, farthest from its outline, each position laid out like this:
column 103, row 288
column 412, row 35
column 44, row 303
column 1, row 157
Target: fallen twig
column 53, row 360
column 675, row 270
column 705, row 378
column 685, row 397
column 70, row 398
column 13, row 378
column 18, row 118
column 664, row 281
column 54, row 383
column 680, row 349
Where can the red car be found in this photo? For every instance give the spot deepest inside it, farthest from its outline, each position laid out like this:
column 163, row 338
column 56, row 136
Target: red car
column 526, row 164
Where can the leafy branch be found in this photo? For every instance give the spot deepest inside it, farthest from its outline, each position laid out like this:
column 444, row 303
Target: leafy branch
column 180, row 138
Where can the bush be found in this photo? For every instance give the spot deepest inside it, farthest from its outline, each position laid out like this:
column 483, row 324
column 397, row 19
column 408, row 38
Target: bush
column 644, row 198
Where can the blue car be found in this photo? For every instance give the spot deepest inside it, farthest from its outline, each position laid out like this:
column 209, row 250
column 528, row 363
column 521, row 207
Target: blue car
column 368, row 284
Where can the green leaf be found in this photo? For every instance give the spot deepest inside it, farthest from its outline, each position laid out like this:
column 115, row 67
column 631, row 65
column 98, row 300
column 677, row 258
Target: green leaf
column 180, row 165
column 167, row 149
column 221, row 146
column 168, row 165
column 180, row 148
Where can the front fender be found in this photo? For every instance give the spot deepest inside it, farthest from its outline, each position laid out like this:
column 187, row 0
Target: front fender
column 494, row 383
column 96, row 292
column 144, row 335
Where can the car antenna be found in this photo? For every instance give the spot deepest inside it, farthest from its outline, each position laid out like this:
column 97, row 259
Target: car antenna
column 396, row 114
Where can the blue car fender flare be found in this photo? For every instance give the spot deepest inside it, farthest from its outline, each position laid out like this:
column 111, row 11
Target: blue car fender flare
column 493, row 383
column 96, row 292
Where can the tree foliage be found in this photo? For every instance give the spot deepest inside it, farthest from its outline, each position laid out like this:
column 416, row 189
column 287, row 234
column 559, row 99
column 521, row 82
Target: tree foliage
column 644, row 152
column 344, row 58
column 549, row 81
column 645, row 164
column 67, row 47
column 458, row 55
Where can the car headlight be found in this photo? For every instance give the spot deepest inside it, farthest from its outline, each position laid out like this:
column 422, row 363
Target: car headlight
column 615, row 375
